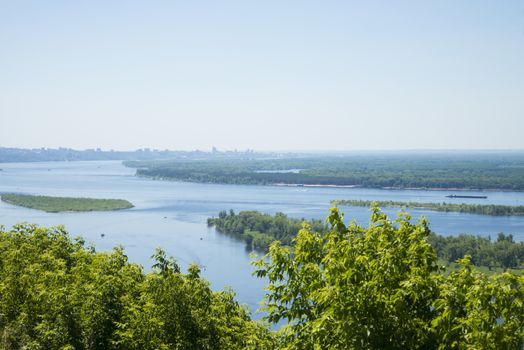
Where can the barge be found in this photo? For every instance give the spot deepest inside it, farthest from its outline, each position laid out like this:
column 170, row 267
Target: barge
column 466, row 196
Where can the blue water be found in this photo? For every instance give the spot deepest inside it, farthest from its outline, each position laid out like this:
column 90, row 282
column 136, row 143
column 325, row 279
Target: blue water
column 172, row 215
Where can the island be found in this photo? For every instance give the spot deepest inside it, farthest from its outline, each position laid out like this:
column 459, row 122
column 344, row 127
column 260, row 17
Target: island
column 64, row 204
column 423, row 170
column 482, row 209
column 259, row 230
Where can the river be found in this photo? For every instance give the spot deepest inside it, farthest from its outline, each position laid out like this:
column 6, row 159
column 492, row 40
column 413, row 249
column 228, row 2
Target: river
column 172, row 215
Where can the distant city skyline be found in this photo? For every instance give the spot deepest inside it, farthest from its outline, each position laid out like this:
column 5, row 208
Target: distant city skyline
column 269, row 76
column 290, row 151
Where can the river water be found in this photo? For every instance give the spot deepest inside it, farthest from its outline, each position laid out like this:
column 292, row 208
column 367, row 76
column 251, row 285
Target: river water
column 172, row 215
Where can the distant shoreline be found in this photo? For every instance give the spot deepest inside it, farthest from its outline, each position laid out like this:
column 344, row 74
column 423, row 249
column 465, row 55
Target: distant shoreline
column 479, row 209
column 165, row 178
column 397, row 188
column 314, row 185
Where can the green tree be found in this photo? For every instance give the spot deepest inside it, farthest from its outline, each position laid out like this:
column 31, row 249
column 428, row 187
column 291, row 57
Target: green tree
column 473, row 311
column 380, row 288
column 55, row 293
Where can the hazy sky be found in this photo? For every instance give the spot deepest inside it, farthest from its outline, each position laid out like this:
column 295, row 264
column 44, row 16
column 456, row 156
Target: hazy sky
column 268, row 75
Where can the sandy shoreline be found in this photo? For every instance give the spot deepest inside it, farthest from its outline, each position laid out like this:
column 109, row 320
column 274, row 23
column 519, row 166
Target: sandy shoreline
column 316, row 185
column 399, row 188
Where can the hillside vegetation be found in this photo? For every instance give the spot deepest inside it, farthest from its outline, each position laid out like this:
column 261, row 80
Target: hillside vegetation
column 56, row 293
column 350, row 287
column 380, row 288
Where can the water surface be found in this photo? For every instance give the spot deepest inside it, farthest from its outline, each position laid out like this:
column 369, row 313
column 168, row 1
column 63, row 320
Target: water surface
column 173, row 215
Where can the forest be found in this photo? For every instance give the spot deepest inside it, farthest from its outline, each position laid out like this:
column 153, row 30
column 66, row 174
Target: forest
column 502, row 252
column 60, row 204
column 350, row 287
column 482, row 209
column 481, row 171
column 259, row 230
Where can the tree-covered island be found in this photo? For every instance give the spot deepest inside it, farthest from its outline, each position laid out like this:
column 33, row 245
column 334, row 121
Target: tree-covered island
column 259, row 231
column 482, row 209
column 461, row 170
column 61, row 204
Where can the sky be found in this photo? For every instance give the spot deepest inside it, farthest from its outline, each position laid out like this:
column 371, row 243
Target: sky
column 264, row 75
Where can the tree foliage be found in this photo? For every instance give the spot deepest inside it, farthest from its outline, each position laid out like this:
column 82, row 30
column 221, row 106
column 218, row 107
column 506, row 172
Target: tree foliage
column 424, row 170
column 483, row 209
column 349, row 287
column 258, row 230
column 55, row 293
column 503, row 252
column 380, row 288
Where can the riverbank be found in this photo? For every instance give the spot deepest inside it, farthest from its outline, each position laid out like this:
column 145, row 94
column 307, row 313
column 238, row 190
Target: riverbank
column 447, row 172
column 302, row 185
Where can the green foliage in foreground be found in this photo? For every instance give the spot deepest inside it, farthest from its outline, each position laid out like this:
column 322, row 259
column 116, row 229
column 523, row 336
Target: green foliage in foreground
column 483, row 209
column 57, row 294
column 58, row 204
column 347, row 288
column 259, row 230
column 380, row 288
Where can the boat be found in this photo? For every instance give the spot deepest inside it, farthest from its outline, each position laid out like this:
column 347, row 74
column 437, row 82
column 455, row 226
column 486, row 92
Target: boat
column 466, row 196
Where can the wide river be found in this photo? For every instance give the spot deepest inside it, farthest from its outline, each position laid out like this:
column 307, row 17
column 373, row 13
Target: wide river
column 172, row 215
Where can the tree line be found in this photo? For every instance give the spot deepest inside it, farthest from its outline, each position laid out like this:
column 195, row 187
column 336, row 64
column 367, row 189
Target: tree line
column 502, row 252
column 483, row 209
column 259, row 230
column 503, row 171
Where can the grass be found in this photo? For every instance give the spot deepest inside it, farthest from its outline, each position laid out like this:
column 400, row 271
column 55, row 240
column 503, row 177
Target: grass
column 62, row 204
